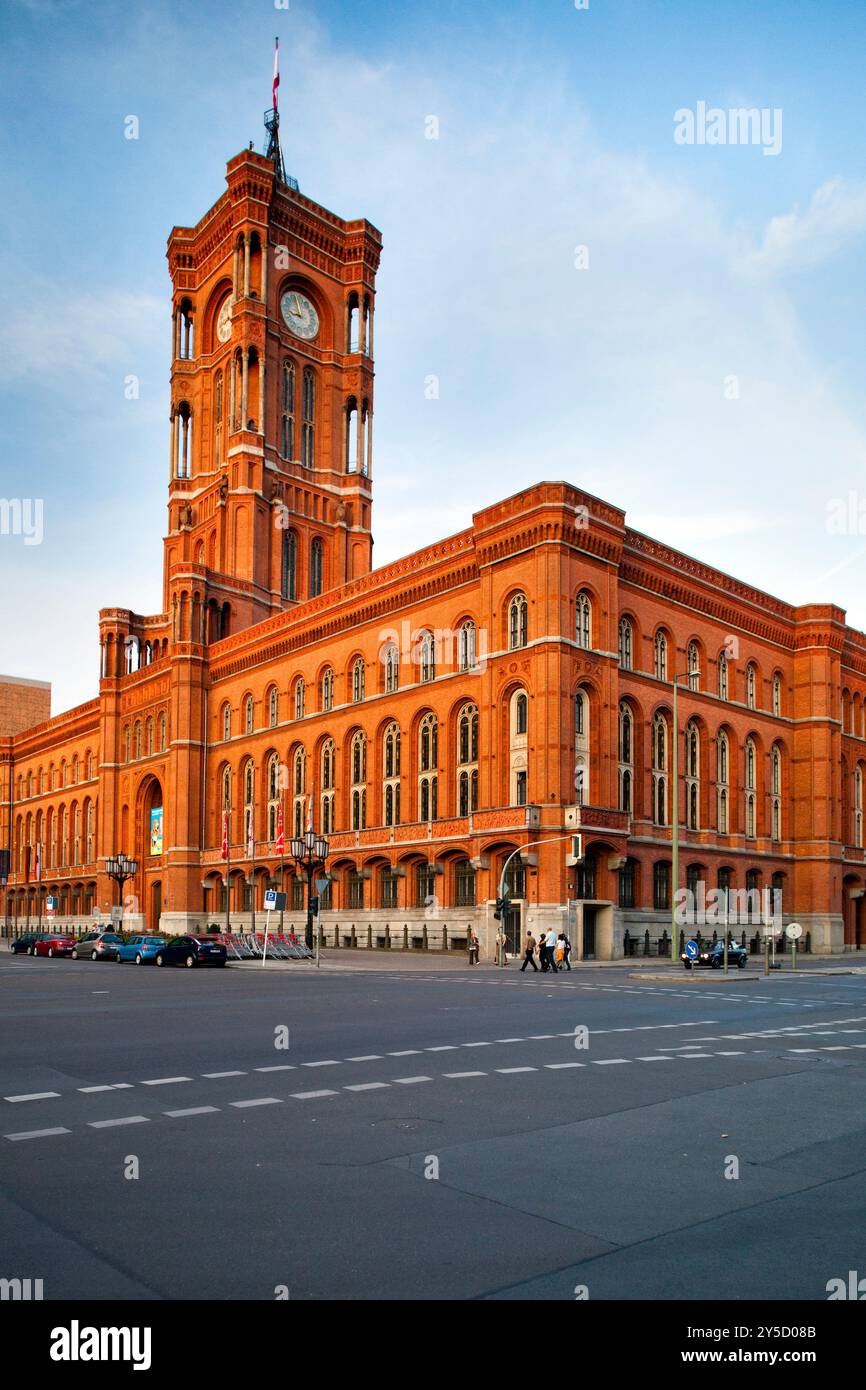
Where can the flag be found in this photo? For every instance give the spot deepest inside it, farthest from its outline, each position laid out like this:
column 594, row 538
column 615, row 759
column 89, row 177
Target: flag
column 225, row 843
column 310, row 810
column 26, row 863
column 280, row 842
column 38, row 861
column 251, row 844
column 276, row 70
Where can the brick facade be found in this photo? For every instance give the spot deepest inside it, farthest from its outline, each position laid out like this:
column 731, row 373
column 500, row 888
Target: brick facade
column 530, row 694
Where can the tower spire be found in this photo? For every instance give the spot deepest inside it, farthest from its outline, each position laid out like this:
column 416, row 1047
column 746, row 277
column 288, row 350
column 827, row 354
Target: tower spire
column 272, row 122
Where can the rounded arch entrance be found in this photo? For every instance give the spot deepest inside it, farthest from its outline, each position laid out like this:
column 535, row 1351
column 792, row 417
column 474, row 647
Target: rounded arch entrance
column 150, row 840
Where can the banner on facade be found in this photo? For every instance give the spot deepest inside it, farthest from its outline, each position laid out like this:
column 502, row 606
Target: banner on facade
column 156, row 830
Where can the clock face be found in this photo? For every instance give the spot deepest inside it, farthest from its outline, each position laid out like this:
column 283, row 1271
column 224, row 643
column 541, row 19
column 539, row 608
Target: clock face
column 299, row 315
column 224, row 321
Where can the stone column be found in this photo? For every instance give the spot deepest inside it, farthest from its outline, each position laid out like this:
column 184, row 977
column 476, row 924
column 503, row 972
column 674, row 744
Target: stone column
column 261, row 421
column 233, row 394
column 369, row 460
column 235, row 274
column 362, row 324
column 246, row 265
column 172, row 454
column 245, row 383
column 265, row 269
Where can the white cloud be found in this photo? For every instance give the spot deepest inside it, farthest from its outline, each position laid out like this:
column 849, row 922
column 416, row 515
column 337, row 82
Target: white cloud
column 797, row 241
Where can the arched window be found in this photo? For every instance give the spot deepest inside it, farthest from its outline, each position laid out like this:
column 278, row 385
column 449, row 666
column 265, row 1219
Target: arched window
column 581, row 748
column 517, row 622
column 660, row 768
column 518, row 766
column 776, row 794
column 327, row 767
column 350, row 439
column 358, row 680
column 751, row 685
column 162, row 732
column 858, row 806
column 218, row 419
column 358, row 797
column 391, row 775
column 750, row 788
column 308, row 418
column 300, row 698
column 467, row 760
column 227, row 803
column 248, row 714
column 287, row 422
column 427, row 656
column 723, row 675
column 391, row 662
column 661, row 656
column 626, row 640
column 583, row 620
column 626, row 757
column 148, row 736
column 299, row 792
column 273, row 789
column 317, row 568
column 248, row 785
column 428, row 762
column 136, row 739
column 723, row 759
column 693, row 775
column 466, row 646
column 327, row 690
column 76, row 833
column 89, row 822
column 289, row 579
column 777, row 694
column 273, row 707
column 693, row 659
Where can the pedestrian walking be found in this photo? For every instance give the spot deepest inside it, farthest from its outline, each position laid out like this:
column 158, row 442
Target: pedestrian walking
column 551, row 949
column 473, row 947
column 542, row 953
column 529, row 953
column 566, row 949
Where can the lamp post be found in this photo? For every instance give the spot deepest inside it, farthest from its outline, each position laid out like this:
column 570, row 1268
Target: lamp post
column 120, row 867
column 675, row 815
column 309, row 852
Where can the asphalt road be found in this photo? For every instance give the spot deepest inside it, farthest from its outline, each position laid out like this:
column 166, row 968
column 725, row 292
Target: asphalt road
column 428, row 1134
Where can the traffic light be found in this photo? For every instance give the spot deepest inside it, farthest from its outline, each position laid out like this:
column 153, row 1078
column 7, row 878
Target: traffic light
column 314, row 906
column 576, row 855
column 501, row 908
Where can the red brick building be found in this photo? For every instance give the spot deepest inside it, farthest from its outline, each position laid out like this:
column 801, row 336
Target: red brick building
column 487, row 694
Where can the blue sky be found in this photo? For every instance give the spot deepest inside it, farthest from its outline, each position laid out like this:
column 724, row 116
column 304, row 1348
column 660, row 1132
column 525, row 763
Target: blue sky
column 707, row 266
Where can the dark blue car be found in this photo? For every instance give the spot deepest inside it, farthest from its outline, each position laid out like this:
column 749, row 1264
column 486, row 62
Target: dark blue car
column 714, row 956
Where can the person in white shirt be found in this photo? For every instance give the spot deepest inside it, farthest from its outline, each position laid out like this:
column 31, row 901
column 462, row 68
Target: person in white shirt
column 550, row 942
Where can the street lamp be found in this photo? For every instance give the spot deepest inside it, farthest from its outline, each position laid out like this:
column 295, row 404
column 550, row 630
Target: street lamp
column 120, row 867
column 309, row 852
column 675, row 816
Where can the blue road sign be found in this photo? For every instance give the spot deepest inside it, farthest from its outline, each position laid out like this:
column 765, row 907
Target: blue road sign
column 692, row 950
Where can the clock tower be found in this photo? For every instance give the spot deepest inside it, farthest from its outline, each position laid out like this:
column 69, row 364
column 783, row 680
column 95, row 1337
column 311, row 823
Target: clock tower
column 270, row 482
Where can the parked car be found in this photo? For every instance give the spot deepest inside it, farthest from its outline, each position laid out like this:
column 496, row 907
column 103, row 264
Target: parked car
column 98, row 945
column 54, row 946
column 25, row 944
column 714, row 956
column 140, row 949
column 191, row 950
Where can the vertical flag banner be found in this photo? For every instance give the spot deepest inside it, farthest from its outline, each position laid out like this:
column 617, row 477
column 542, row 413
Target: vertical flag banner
column 280, row 842
column 156, row 830
column 276, row 70
column 310, row 810
column 225, row 842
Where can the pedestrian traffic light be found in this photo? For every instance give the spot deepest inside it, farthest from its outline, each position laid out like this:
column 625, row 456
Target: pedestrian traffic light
column 501, row 908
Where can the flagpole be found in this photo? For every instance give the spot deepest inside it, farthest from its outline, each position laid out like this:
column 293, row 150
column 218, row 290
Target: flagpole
column 228, row 819
column 39, row 881
column 282, row 859
column 252, row 849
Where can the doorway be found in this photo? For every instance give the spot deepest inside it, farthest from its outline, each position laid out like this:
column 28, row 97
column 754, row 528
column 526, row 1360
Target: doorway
column 590, row 919
column 155, row 907
column 513, row 934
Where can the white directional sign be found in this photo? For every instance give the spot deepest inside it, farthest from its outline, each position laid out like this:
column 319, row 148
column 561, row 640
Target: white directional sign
column 793, row 931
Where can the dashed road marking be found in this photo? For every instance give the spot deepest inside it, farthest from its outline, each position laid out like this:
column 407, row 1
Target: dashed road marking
column 33, row 1095
column 193, row 1110
column 113, row 1124
column 36, row 1134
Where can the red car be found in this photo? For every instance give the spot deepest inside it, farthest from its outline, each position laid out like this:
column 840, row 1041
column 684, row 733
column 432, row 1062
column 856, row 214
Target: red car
column 54, row 946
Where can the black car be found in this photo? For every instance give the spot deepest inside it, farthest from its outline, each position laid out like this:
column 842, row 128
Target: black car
column 714, row 956
column 26, row 944
column 191, row 950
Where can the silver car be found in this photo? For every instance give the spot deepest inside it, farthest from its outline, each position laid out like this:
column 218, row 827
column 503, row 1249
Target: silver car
column 98, row 945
